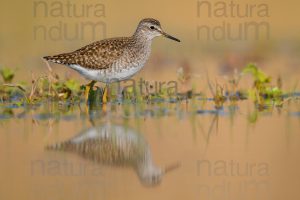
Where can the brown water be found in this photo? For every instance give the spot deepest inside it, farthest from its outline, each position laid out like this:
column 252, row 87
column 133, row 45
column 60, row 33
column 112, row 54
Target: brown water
column 222, row 155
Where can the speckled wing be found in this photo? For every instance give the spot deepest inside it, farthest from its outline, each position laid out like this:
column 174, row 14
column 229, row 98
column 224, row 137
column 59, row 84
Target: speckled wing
column 98, row 55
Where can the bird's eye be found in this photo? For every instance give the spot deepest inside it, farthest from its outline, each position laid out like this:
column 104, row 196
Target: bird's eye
column 152, row 27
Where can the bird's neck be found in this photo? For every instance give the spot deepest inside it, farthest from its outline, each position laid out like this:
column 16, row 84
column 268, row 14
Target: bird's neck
column 145, row 170
column 145, row 165
column 141, row 37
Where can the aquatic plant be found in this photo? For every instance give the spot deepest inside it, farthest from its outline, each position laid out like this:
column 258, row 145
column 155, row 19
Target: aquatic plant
column 263, row 92
column 7, row 74
column 40, row 88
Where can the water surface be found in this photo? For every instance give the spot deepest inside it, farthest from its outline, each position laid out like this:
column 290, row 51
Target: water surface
column 233, row 153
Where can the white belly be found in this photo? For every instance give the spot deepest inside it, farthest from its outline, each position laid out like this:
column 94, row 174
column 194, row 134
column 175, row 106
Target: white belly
column 113, row 74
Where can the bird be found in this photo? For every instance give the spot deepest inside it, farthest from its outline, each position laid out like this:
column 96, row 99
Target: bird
column 114, row 59
column 116, row 145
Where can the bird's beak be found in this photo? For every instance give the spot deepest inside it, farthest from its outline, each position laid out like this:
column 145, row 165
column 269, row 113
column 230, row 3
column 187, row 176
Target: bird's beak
column 169, row 36
column 171, row 167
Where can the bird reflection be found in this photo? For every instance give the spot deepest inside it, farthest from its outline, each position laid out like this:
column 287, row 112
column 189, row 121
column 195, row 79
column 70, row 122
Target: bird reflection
column 116, row 145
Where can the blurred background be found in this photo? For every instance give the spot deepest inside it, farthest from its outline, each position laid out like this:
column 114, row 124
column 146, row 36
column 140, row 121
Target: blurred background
column 215, row 34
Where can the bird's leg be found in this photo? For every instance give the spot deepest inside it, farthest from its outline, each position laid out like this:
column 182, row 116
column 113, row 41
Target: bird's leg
column 87, row 90
column 105, row 96
column 120, row 93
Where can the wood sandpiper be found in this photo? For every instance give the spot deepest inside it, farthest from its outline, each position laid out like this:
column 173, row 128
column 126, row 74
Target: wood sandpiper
column 113, row 59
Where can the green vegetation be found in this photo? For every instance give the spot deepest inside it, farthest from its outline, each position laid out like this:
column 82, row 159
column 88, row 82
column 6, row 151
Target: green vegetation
column 48, row 87
column 51, row 87
column 7, row 74
column 263, row 92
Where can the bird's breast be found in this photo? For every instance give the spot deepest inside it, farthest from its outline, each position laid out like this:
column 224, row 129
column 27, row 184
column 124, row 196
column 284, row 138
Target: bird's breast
column 128, row 64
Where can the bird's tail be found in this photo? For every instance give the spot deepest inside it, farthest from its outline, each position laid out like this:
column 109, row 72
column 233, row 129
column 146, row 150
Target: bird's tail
column 53, row 59
column 66, row 58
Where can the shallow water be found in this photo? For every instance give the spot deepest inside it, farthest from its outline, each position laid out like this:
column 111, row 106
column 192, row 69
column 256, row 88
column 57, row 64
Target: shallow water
column 233, row 153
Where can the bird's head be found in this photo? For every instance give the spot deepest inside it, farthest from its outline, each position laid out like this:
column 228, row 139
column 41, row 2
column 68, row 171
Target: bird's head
column 151, row 28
